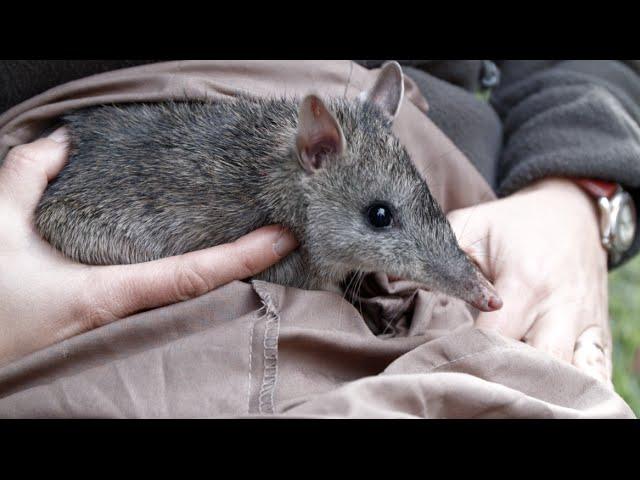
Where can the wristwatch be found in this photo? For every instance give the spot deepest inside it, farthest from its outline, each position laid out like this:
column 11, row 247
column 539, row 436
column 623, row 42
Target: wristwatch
column 617, row 216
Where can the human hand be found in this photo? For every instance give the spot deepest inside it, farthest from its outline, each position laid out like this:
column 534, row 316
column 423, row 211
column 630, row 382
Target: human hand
column 541, row 248
column 47, row 298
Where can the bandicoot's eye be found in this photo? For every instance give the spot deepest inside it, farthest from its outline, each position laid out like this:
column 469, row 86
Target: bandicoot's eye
column 379, row 215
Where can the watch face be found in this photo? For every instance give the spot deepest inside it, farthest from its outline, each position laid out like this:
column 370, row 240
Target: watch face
column 626, row 226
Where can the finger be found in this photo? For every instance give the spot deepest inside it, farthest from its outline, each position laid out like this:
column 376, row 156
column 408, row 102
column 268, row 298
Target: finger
column 473, row 237
column 27, row 169
column 592, row 356
column 123, row 290
column 555, row 332
column 516, row 316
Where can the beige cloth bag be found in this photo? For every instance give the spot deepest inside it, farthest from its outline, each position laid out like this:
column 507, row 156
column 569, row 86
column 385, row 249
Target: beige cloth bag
column 256, row 349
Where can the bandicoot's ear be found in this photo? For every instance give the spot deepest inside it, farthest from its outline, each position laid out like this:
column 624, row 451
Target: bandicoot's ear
column 319, row 134
column 388, row 91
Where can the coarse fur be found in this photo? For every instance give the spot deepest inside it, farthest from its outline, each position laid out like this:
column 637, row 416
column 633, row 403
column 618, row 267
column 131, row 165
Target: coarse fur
column 147, row 181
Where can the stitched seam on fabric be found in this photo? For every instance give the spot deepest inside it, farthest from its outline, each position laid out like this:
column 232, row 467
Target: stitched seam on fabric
column 475, row 354
column 253, row 326
column 270, row 343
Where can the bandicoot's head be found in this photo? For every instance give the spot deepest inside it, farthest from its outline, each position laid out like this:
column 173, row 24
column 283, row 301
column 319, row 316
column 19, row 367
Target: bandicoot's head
column 368, row 208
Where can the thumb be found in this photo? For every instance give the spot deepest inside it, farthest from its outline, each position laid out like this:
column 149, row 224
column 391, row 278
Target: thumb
column 125, row 289
column 27, row 169
column 512, row 320
column 472, row 233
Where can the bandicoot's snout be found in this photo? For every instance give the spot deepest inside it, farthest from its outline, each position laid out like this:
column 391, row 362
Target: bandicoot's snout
column 476, row 290
column 461, row 278
column 483, row 295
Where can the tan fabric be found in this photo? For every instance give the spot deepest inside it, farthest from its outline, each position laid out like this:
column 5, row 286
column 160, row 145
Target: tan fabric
column 263, row 349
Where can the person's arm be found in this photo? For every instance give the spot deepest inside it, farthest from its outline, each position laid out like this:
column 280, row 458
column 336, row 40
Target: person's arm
column 47, row 298
column 541, row 248
column 572, row 119
column 540, row 243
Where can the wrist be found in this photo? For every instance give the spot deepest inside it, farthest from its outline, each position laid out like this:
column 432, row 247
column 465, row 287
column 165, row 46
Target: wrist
column 571, row 206
column 565, row 193
column 600, row 205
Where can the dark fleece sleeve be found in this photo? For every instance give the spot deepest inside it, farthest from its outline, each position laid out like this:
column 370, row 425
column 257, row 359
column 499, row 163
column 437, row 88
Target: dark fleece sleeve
column 571, row 118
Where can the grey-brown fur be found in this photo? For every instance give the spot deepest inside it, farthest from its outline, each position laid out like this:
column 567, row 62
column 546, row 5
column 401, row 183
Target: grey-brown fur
column 146, row 181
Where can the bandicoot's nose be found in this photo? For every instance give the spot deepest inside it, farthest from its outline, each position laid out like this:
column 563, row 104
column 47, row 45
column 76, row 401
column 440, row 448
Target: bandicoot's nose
column 483, row 295
column 490, row 304
column 462, row 278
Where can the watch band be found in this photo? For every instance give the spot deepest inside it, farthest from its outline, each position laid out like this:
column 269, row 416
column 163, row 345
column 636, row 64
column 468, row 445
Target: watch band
column 598, row 188
column 617, row 215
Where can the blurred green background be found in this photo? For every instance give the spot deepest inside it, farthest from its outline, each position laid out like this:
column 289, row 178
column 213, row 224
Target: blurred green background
column 624, row 307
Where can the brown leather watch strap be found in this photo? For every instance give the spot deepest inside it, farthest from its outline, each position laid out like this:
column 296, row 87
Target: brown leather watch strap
column 598, row 188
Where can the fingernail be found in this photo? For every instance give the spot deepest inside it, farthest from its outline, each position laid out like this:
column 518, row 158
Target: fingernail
column 59, row 135
column 284, row 243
